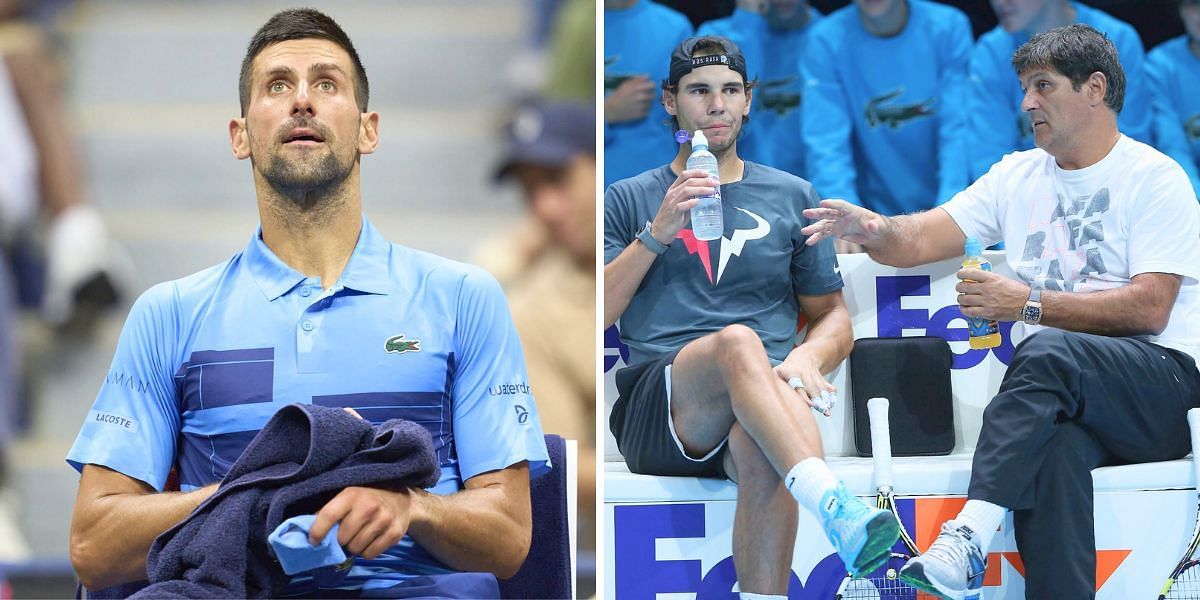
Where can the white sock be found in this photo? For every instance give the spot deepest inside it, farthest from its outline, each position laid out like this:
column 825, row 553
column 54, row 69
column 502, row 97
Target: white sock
column 983, row 518
column 749, row 596
column 808, row 481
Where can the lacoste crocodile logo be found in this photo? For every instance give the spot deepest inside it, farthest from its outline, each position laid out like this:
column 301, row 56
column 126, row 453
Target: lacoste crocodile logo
column 399, row 345
column 896, row 115
column 613, row 81
column 1025, row 126
column 775, row 96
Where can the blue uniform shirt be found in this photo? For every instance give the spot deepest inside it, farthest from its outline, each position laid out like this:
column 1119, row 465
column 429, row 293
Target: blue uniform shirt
column 1174, row 74
column 204, row 361
column 997, row 124
column 639, row 41
column 772, row 137
column 882, row 116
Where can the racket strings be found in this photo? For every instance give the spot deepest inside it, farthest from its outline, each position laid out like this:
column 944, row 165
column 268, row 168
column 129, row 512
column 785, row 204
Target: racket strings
column 1187, row 585
column 878, row 588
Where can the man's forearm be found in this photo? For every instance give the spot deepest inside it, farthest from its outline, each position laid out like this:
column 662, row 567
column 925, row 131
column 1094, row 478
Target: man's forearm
column 900, row 244
column 916, row 239
column 829, row 339
column 465, row 530
column 111, row 534
column 622, row 277
column 1141, row 309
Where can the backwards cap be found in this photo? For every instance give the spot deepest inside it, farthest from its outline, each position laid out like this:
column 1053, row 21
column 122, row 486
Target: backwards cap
column 682, row 61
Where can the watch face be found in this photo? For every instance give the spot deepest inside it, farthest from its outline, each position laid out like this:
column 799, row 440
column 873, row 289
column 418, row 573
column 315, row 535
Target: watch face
column 1032, row 314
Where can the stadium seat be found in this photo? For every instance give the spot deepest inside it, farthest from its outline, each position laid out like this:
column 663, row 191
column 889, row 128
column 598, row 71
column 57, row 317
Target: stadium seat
column 547, row 572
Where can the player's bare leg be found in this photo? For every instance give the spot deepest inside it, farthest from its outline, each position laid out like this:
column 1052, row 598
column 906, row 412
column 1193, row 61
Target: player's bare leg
column 765, row 521
column 726, row 377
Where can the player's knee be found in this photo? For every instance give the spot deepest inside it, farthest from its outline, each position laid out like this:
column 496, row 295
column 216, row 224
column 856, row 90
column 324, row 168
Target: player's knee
column 738, row 344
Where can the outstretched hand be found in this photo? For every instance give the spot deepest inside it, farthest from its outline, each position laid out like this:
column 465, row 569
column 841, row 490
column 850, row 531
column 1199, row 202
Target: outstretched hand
column 842, row 220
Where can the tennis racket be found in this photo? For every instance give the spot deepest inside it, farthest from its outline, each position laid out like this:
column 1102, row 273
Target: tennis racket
column 1184, row 581
column 884, row 583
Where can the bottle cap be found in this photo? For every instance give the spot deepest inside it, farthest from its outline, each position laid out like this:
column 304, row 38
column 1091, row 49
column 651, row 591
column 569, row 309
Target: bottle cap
column 698, row 140
column 973, row 247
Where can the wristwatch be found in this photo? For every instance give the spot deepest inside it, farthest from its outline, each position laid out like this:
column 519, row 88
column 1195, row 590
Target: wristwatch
column 650, row 242
column 1032, row 315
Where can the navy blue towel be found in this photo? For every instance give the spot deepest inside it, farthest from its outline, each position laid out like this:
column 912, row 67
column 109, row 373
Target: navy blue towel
column 300, row 460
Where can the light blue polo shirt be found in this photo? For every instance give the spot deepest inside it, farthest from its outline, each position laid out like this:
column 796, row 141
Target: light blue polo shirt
column 203, row 362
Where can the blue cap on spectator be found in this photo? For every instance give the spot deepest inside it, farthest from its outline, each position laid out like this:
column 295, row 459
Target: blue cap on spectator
column 549, row 135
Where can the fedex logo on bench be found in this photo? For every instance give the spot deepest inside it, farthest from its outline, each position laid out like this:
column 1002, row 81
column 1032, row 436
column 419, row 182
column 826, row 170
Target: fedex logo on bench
column 651, row 540
column 667, row 549
column 899, row 309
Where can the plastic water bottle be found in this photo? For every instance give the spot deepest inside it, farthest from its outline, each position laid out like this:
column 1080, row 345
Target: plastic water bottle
column 707, row 223
column 983, row 333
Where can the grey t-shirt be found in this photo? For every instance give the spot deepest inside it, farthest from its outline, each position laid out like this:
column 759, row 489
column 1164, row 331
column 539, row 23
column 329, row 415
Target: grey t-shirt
column 751, row 275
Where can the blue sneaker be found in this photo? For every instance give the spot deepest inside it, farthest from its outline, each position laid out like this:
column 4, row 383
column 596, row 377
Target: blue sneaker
column 862, row 536
column 951, row 568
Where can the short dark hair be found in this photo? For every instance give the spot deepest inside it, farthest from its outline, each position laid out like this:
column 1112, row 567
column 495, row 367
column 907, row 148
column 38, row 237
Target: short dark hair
column 1076, row 51
column 301, row 24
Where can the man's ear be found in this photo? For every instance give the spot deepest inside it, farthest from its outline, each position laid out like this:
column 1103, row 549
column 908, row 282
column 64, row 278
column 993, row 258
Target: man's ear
column 239, row 138
column 368, row 133
column 1097, row 88
column 668, row 101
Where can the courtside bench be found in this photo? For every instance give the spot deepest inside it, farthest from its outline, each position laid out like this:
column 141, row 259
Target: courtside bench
column 670, row 537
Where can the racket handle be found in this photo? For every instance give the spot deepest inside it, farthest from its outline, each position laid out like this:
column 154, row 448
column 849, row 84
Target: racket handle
column 1193, row 417
column 881, row 441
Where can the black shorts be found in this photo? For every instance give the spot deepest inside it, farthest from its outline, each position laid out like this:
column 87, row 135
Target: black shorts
column 641, row 424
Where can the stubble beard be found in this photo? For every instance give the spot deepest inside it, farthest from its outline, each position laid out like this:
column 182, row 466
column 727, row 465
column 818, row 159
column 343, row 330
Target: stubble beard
column 307, row 183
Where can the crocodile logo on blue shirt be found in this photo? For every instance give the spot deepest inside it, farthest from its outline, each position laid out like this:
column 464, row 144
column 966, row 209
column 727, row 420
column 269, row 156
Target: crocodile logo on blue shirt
column 774, row 96
column 895, row 115
column 614, row 80
column 399, row 345
column 1192, row 128
column 1025, row 126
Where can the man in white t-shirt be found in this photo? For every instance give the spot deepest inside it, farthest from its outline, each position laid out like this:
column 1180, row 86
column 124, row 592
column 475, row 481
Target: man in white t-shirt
column 1103, row 233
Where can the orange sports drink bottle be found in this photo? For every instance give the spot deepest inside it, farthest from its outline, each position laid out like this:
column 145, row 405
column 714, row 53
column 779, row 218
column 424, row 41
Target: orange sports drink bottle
column 984, row 333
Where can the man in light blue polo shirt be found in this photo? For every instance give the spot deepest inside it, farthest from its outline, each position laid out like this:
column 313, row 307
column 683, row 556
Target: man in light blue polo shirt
column 318, row 309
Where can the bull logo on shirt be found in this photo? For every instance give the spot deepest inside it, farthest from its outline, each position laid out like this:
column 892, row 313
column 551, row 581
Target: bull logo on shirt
column 1192, row 128
column 894, row 115
column 399, row 345
column 730, row 246
column 774, row 96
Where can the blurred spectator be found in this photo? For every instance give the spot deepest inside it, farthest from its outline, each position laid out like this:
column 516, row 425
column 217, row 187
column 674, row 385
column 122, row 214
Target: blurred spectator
column 637, row 35
column 1174, row 72
column 572, row 73
column 551, row 155
column 70, row 274
column 772, row 37
column 699, row 11
column 996, row 124
column 882, row 121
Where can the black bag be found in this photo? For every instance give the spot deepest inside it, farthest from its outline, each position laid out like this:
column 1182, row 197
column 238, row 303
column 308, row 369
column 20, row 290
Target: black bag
column 913, row 373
